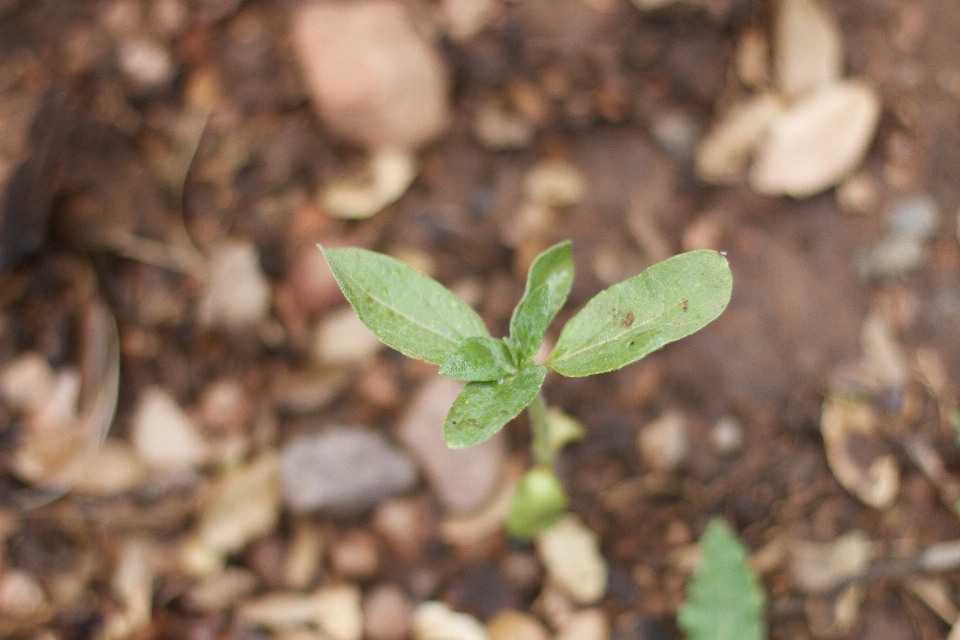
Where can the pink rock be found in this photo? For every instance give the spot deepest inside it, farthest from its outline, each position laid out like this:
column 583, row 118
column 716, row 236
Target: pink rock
column 373, row 79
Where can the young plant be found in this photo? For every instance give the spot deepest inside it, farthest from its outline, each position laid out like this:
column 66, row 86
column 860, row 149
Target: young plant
column 422, row 319
column 724, row 598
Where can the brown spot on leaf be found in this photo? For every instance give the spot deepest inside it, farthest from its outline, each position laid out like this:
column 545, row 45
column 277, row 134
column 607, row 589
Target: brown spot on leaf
column 686, row 305
column 627, row 320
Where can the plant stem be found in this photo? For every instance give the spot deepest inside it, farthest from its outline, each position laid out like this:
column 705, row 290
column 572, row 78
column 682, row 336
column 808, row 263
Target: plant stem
column 542, row 452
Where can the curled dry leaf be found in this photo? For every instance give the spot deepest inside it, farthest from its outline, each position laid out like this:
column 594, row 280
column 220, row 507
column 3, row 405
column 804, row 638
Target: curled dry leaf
column 807, row 48
column 389, row 173
column 723, row 155
column 856, row 452
column 818, row 141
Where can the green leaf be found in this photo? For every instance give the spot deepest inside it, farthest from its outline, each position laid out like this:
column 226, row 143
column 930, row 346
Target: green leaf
column 537, row 503
column 479, row 359
column 724, row 598
column 548, row 285
column 410, row 312
column 482, row 408
column 620, row 325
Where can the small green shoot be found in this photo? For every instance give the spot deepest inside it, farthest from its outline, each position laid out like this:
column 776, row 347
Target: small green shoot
column 422, row 319
column 724, row 598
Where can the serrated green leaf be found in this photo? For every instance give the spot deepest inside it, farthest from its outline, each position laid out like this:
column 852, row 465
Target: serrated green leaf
column 620, row 325
column 724, row 598
column 538, row 502
column 409, row 311
column 482, row 408
column 478, row 360
column 548, row 285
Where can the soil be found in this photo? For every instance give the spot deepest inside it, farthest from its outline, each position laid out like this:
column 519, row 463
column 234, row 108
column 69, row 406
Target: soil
column 642, row 87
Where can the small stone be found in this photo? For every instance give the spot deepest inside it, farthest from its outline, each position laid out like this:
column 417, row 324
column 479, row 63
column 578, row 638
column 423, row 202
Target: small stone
column 554, row 183
column 893, row 257
column 818, row 141
column 588, row 624
column 21, row 596
column 723, row 154
column 342, row 339
column 406, row 524
column 436, row 621
column 916, row 216
column 386, row 613
column 498, row 128
column 858, row 194
column 570, row 553
column 463, row 479
column 146, row 62
column 355, row 555
column 466, row 18
column 164, row 436
column 373, row 79
column 727, row 435
column 311, row 281
column 27, row 382
column 664, row 443
column 224, row 406
column 514, row 625
column 807, row 47
column 752, row 59
column 115, row 468
column 236, row 293
column 220, row 591
column 243, row 506
column 346, row 469
column 676, row 131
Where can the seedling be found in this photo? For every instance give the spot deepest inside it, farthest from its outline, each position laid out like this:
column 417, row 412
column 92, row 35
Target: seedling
column 724, row 599
column 422, row 319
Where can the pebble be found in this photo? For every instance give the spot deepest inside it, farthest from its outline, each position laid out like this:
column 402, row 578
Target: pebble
column 819, row 567
column 664, row 443
column 304, row 555
column 727, row 435
column 570, row 552
column 406, row 524
column 893, row 256
column 224, row 406
column 462, row 479
column 587, row 624
column 165, row 438
column 498, row 128
column 554, row 183
column 236, row 293
column 345, row 469
column 355, row 555
column 342, row 339
column 311, row 281
column 818, row 141
column 676, row 131
column 916, row 216
column 807, row 47
column 466, row 18
column 386, row 613
column 27, row 382
column 859, row 194
column 373, row 79
column 436, row 621
column 514, row 625
column 242, row 506
column 21, row 596
column 146, row 62
column 115, row 468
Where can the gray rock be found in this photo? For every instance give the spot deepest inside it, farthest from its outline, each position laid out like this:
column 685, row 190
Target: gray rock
column 916, row 216
column 345, row 469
